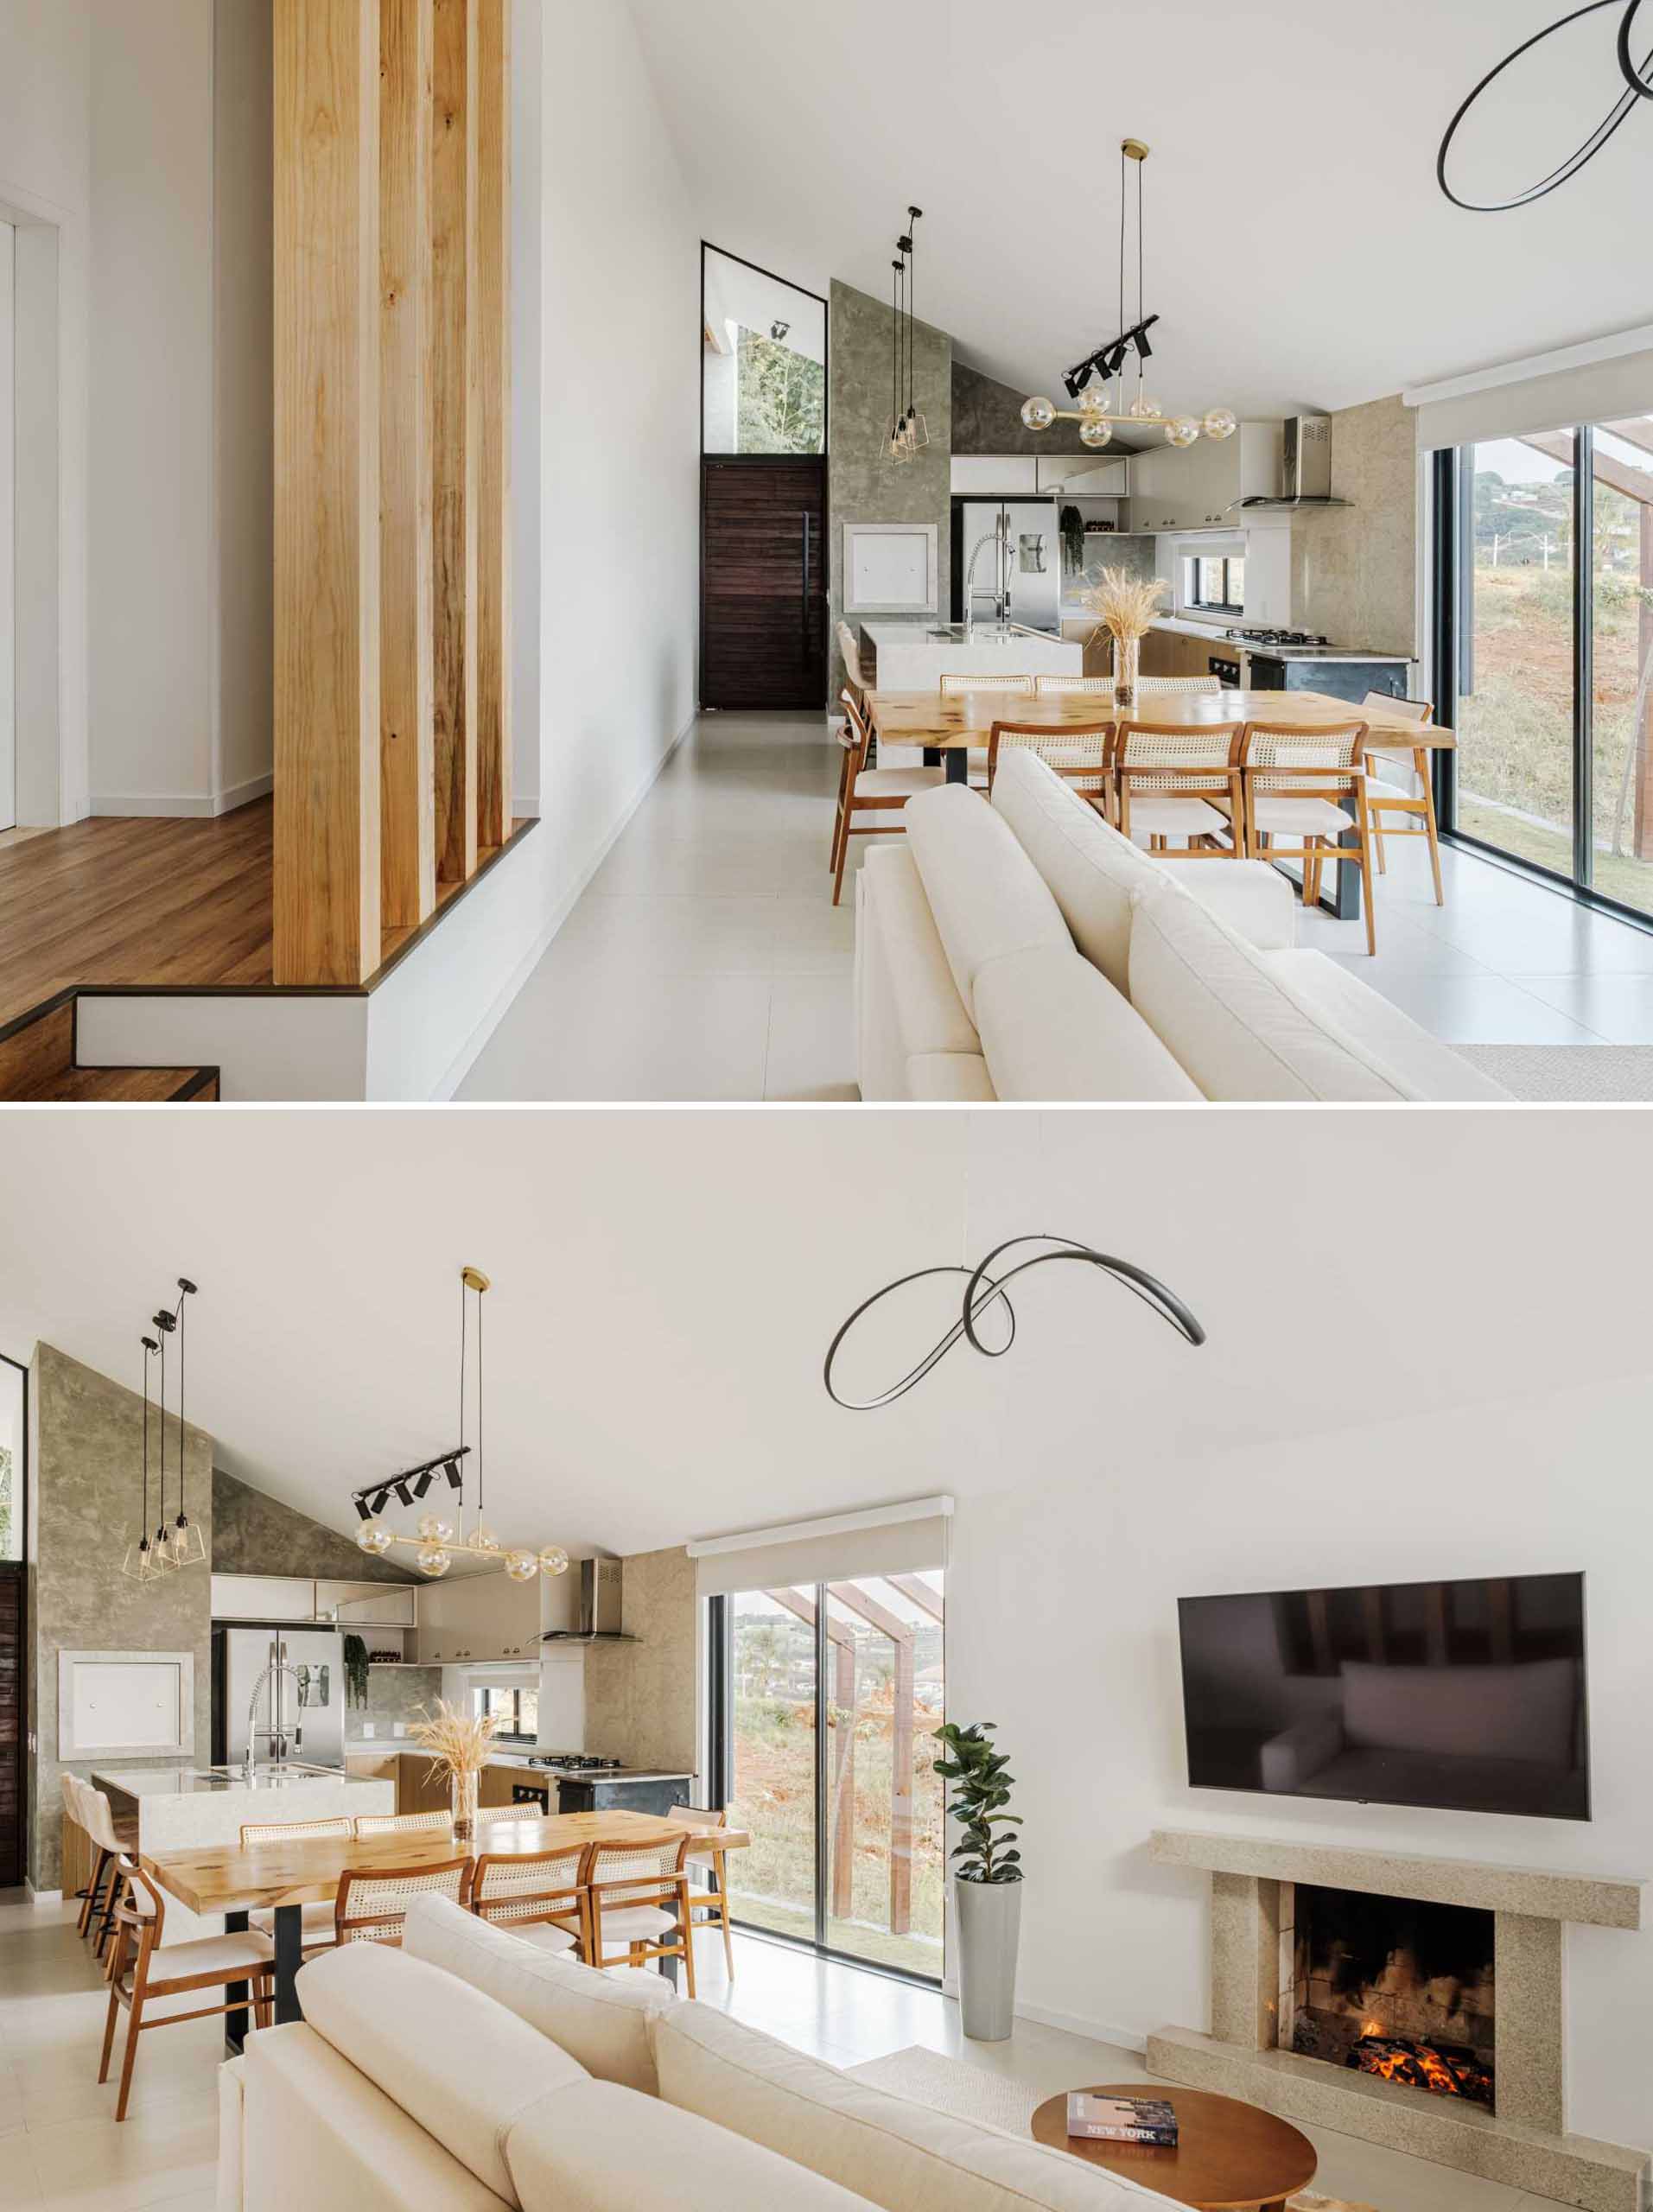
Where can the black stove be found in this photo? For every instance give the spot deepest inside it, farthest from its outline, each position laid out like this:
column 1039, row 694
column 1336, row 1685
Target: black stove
column 1277, row 637
column 574, row 1763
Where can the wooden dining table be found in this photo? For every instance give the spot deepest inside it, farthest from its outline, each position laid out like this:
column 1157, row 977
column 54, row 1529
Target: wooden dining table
column 284, row 1878
column 947, row 725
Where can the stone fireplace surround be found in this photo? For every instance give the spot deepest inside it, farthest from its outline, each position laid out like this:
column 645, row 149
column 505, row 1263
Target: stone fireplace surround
column 1526, row 2143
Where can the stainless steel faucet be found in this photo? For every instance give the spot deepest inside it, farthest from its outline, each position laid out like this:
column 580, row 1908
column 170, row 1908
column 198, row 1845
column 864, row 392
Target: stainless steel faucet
column 276, row 1666
column 995, row 537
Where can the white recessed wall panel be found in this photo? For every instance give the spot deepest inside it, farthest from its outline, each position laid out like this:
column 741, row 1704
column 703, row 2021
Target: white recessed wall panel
column 138, row 1703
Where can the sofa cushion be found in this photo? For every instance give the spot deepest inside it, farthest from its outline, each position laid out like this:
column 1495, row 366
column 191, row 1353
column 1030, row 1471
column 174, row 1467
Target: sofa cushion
column 1054, row 1027
column 1253, row 897
column 231, row 2135
column 905, row 2157
column 600, row 2019
column 1430, row 1069
column 467, row 2068
column 600, row 2148
column 986, row 896
column 951, row 1078
column 1225, row 1010
column 1089, row 869
column 929, row 1012
column 321, row 2138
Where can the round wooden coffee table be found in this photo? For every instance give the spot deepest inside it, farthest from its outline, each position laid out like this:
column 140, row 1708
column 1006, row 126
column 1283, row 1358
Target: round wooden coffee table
column 1230, row 2157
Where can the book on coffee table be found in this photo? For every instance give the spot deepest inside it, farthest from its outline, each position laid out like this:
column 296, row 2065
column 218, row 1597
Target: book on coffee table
column 1122, row 2120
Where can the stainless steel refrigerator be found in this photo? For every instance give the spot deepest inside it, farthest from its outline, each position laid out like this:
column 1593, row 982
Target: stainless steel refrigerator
column 1013, row 563
column 299, row 1720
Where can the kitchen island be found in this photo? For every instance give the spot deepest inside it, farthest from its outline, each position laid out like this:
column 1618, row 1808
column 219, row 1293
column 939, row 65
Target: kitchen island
column 189, row 1809
column 914, row 657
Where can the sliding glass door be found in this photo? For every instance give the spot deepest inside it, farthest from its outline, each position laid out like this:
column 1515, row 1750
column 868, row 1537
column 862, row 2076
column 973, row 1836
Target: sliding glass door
column 826, row 1698
column 1544, row 648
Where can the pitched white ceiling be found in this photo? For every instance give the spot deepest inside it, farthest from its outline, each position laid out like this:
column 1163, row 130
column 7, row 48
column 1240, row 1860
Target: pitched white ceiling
column 665, row 1285
column 1298, row 250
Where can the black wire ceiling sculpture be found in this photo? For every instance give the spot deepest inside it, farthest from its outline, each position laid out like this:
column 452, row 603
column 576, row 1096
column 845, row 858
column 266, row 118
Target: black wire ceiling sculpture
column 1637, row 78
column 984, row 1290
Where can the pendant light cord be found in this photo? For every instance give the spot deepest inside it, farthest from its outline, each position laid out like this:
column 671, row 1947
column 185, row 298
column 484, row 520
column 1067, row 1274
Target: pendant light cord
column 144, row 1532
column 478, row 1408
column 160, row 1526
column 183, row 1516
column 464, row 1316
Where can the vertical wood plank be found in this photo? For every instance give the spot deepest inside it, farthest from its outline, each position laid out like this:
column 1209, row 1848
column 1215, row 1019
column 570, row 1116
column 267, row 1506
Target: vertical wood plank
column 407, row 756
column 457, row 453
column 327, row 924
column 493, row 604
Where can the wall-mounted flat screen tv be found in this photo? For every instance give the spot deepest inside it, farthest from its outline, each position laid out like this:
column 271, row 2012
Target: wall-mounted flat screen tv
column 1465, row 1696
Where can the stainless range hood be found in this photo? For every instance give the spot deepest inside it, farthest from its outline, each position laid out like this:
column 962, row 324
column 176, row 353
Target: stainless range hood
column 1304, row 469
column 600, row 1591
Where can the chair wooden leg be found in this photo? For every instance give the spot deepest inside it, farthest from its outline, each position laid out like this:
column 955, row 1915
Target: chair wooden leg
column 1377, row 841
column 135, row 2021
column 686, row 1934
column 844, row 852
column 1368, row 882
column 1434, row 837
column 109, row 2032
column 728, row 1936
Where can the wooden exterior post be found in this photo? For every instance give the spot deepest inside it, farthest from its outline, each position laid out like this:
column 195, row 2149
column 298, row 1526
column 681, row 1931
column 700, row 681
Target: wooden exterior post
column 326, row 900
column 851, row 1594
column 455, row 234
column 407, row 37
column 843, row 1780
column 493, row 317
column 1642, row 739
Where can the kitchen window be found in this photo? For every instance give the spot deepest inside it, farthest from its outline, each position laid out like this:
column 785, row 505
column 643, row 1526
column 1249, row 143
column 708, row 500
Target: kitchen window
column 516, row 1710
column 1214, row 583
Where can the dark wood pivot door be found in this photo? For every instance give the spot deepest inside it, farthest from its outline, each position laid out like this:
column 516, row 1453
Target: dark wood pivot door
column 763, row 638
column 11, row 1726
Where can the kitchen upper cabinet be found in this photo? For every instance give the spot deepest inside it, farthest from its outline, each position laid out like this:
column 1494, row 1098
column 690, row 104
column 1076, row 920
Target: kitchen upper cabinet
column 1194, row 487
column 262, row 1598
column 368, row 1604
column 1085, row 478
column 479, row 1617
column 997, row 476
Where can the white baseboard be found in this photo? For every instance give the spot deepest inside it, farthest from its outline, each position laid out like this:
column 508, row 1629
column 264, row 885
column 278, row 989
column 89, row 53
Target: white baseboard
column 472, row 1051
column 42, row 1897
column 1097, row 2030
column 181, row 805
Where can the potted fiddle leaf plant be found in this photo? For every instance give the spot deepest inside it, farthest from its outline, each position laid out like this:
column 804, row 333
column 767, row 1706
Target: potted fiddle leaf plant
column 987, row 1877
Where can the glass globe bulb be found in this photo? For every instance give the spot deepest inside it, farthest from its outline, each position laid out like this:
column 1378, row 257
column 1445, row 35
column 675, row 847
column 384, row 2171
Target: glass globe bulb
column 435, row 1529
column 521, row 1567
column 553, row 1559
column 483, row 1540
column 1037, row 414
column 433, row 1560
column 1096, row 433
column 1182, row 432
column 375, row 1536
column 1093, row 400
column 1221, row 422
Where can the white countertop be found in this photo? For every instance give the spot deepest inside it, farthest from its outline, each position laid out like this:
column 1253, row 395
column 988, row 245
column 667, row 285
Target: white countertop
column 145, row 1782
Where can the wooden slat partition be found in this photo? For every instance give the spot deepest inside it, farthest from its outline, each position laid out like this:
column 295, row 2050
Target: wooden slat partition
column 407, row 757
column 454, row 228
column 327, row 917
column 493, row 317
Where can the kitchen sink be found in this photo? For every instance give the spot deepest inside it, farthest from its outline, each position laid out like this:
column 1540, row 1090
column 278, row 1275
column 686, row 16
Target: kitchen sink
column 270, row 1774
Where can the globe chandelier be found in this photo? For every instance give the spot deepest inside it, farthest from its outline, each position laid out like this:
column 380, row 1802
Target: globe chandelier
column 440, row 1537
column 1097, row 382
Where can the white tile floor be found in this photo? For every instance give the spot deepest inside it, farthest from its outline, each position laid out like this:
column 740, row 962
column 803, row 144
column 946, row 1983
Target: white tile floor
column 62, row 2151
column 706, row 961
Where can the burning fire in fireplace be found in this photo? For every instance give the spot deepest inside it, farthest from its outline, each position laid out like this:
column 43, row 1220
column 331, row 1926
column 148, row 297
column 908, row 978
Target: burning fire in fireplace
column 1449, row 2071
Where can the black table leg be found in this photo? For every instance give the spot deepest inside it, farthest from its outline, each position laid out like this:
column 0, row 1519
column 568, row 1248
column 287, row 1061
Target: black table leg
column 958, row 763
column 235, row 2021
column 289, row 1957
column 1345, row 905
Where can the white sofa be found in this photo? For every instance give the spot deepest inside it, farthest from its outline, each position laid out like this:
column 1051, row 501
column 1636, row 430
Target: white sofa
column 471, row 2071
column 1022, row 949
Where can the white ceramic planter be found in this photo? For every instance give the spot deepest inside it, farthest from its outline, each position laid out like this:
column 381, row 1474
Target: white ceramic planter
column 987, row 1919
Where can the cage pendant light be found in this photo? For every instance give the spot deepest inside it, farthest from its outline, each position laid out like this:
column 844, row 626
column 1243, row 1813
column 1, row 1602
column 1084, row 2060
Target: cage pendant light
column 908, row 431
column 1097, row 384
column 142, row 1561
column 440, row 1540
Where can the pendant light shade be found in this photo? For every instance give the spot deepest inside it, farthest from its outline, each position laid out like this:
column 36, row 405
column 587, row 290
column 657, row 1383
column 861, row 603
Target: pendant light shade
column 908, row 432
column 142, row 1561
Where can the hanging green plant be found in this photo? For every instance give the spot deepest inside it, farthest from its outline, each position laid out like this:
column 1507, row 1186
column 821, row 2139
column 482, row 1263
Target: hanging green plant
column 1072, row 529
column 355, row 1670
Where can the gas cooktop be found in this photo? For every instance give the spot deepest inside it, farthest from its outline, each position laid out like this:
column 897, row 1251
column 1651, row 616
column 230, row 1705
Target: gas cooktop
column 1276, row 638
column 574, row 1763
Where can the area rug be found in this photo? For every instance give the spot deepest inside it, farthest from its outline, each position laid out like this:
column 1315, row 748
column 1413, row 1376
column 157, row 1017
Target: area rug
column 1573, row 1075
column 972, row 2093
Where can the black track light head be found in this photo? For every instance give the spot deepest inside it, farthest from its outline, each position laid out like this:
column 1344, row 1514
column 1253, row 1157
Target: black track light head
column 451, row 1468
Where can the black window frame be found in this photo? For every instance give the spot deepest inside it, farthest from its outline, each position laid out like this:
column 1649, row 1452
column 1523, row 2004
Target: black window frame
column 1451, row 493
column 720, row 1769
column 481, row 1692
column 1226, row 604
column 13, row 1874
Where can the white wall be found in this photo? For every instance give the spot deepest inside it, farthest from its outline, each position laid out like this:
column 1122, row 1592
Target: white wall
column 153, row 525
column 1062, row 1629
column 45, row 189
column 620, row 466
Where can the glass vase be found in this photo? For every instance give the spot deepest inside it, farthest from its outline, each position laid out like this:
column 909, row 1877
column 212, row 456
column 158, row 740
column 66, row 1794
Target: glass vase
column 462, row 1788
column 1127, row 656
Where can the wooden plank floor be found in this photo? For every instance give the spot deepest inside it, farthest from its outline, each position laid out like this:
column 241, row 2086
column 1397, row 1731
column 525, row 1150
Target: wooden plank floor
column 119, row 901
